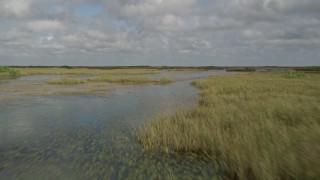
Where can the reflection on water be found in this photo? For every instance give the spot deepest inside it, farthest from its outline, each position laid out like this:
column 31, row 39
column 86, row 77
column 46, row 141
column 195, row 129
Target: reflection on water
column 92, row 136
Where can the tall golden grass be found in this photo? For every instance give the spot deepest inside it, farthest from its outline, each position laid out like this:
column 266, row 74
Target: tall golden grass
column 256, row 126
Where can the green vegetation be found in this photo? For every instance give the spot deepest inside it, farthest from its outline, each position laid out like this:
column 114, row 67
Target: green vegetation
column 7, row 71
column 166, row 80
column 256, row 126
column 189, row 68
column 67, row 81
column 77, row 71
column 308, row 69
column 250, row 69
column 66, row 67
column 242, row 69
column 294, row 75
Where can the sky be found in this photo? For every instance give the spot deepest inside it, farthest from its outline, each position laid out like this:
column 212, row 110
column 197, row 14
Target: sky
column 160, row 32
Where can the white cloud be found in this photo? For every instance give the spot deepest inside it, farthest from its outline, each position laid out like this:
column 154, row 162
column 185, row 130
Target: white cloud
column 45, row 25
column 210, row 30
column 15, row 7
column 150, row 7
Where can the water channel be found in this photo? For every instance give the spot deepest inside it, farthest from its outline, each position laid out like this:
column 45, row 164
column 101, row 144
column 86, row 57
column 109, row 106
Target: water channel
column 93, row 136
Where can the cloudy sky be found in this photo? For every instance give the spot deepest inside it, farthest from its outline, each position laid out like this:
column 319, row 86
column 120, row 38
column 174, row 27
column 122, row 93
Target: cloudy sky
column 160, row 32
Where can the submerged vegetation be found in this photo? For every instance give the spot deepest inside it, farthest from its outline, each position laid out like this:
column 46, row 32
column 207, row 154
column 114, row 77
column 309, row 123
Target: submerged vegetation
column 7, row 71
column 256, row 126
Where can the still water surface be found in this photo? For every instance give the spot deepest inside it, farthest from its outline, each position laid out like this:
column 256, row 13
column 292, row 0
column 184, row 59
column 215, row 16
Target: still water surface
column 93, row 136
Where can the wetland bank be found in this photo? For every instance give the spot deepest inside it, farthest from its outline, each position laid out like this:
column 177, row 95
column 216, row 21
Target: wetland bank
column 129, row 125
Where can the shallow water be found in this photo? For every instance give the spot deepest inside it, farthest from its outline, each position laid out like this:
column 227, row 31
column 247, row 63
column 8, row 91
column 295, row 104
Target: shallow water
column 93, row 136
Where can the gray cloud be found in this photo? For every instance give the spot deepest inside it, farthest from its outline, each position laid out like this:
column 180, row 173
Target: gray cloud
column 16, row 8
column 160, row 32
column 143, row 8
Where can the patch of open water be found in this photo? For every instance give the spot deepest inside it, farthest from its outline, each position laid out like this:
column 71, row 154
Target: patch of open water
column 92, row 136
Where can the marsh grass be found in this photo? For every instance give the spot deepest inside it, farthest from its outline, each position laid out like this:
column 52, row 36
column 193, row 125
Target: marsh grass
column 123, row 80
column 79, row 71
column 256, row 126
column 67, row 81
column 165, row 81
column 7, row 71
column 106, row 79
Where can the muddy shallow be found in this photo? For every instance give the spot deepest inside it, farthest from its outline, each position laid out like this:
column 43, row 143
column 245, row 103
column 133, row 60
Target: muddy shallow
column 85, row 136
